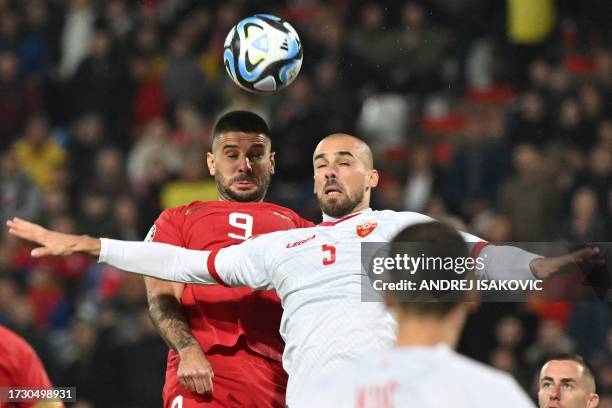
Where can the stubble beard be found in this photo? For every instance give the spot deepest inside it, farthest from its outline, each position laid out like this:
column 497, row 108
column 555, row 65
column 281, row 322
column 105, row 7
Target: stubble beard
column 340, row 208
column 225, row 190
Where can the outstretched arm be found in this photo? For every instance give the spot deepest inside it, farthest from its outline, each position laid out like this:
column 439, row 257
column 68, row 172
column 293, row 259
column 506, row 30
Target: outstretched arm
column 238, row 265
column 509, row 262
column 153, row 259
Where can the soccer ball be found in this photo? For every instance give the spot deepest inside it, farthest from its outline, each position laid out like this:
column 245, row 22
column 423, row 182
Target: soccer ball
column 263, row 53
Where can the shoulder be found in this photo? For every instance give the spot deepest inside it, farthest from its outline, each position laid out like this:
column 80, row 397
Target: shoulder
column 394, row 221
column 184, row 210
column 14, row 345
column 288, row 212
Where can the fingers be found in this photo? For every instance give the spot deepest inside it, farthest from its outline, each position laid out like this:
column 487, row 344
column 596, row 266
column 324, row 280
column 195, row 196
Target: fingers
column 24, row 229
column 187, row 382
column 584, row 253
column 40, row 252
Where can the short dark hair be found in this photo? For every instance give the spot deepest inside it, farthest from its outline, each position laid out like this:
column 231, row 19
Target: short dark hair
column 430, row 239
column 240, row 121
column 588, row 370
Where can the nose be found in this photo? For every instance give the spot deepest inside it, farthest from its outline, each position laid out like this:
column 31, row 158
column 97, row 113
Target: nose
column 555, row 394
column 330, row 172
column 245, row 165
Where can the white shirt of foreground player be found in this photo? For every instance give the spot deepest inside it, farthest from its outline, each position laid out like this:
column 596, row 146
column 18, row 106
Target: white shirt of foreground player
column 317, row 274
column 424, row 377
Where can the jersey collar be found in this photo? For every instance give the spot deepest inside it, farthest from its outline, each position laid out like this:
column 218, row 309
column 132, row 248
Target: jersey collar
column 330, row 221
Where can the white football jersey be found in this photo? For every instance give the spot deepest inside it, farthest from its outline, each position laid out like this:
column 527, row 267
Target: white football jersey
column 317, row 274
column 423, row 377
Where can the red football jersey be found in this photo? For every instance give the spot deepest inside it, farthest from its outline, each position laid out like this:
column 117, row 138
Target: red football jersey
column 219, row 315
column 19, row 366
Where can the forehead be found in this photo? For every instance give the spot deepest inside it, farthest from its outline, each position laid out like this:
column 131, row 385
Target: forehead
column 330, row 147
column 562, row 369
column 241, row 140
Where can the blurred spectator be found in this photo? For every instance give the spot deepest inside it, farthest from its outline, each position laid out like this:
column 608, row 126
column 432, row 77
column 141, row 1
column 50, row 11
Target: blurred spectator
column 530, row 123
column 184, row 80
column 148, row 99
column 76, row 36
column 599, row 176
column 96, row 80
column 192, row 130
column 373, row 45
column 37, row 153
column 529, row 199
column 586, row 223
column 19, row 196
column 192, row 184
column 109, row 173
column 477, row 169
column 35, row 53
column 95, row 210
column 550, row 341
column 298, row 118
column 147, row 46
column 18, row 99
column 126, row 218
column 571, row 127
column 153, row 157
column 86, row 139
column 44, row 293
column 423, row 180
column 419, row 54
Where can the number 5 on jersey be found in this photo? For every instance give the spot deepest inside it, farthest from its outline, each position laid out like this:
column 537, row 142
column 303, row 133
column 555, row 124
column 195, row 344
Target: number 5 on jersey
column 329, row 254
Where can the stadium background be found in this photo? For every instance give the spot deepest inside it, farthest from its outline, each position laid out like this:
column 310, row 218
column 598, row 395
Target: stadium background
column 493, row 115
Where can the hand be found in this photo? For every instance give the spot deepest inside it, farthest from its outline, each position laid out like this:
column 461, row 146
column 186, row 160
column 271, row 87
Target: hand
column 542, row 268
column 51, row 242
column 194, row 371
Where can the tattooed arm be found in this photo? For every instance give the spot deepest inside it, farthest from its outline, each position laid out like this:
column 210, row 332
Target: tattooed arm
column 166, row 311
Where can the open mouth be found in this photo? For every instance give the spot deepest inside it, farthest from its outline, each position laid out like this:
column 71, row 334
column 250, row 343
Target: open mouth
column 332, row 191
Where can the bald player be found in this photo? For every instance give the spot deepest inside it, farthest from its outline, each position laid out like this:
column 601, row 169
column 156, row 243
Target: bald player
column 567, row 381
column 315, row 271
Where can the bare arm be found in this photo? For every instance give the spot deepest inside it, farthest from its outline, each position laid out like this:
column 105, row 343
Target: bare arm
column 194, row 372
column 167, row 313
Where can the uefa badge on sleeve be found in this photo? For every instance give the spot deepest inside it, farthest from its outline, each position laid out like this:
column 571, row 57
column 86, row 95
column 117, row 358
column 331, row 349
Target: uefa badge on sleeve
column 363, row 230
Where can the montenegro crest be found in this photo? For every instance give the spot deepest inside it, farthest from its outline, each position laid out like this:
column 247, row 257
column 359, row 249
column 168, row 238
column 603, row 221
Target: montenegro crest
column 363, row 230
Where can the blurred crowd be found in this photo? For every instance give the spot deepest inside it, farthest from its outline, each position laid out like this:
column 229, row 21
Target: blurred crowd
column 478, row 113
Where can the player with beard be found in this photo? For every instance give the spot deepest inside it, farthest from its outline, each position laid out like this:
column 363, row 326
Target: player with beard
column 224, row 343
column 316, row 271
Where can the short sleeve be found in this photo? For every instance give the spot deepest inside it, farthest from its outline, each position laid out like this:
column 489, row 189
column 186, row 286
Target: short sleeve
column 251, row 263
column 167, row 228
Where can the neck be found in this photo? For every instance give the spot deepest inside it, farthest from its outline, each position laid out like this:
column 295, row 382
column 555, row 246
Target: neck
column 355, row 211
column 428, row 331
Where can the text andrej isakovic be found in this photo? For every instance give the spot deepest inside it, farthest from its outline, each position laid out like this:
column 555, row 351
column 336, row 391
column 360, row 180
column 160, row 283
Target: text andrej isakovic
column 408, row 266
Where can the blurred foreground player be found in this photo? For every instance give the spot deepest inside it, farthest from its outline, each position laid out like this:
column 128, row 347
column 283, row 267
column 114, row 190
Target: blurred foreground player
column 567, row 381
column 225, row 344
column 20, row 367
column 422, row 370
column 315, row 271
